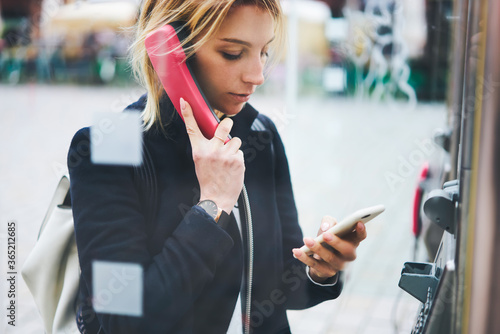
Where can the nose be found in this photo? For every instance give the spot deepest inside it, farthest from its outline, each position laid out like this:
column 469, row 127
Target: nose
column 254, row 72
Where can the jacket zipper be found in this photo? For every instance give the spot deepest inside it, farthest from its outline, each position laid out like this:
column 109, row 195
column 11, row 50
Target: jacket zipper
column 248, row 216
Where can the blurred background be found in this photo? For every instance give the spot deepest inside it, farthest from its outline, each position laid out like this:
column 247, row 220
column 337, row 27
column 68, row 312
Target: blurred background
column 359, row 99
column 349, row 47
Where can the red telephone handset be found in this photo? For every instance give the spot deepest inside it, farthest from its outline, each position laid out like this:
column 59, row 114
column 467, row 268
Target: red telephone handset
column 169, row 61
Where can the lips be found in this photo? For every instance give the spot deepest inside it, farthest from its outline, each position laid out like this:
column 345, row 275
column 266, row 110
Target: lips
column 240, row 97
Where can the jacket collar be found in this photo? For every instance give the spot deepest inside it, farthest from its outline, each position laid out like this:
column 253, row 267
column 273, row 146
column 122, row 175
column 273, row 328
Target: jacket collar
column 243, row 122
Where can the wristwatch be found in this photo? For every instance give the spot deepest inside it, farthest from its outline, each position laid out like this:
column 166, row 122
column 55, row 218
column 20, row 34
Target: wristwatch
column 220, row 216
column 211, row 208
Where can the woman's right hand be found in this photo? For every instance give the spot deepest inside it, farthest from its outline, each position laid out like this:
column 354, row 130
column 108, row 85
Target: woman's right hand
column 219, row 167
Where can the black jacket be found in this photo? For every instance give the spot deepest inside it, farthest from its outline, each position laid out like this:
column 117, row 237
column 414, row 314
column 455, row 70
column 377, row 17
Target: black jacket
column 193, row 268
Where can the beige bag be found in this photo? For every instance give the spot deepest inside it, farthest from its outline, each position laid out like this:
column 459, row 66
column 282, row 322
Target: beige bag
column 52, row 271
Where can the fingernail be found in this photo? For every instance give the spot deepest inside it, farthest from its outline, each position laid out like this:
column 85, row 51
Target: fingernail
column 183, row 104
column 296, row 253
column 325, row 226
column 327, row 236
column 309, row 242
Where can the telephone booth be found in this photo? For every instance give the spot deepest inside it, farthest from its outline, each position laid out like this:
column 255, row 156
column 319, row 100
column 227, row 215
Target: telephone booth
column 459, row 290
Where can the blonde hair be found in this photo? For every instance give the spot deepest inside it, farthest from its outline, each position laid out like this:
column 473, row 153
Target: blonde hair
column 203, row 18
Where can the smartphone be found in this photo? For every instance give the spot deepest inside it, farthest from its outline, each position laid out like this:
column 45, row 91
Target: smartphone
column 165, row 50
column 348, row 224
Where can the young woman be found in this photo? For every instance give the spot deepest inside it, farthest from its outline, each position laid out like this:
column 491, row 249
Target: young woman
column 196, row 262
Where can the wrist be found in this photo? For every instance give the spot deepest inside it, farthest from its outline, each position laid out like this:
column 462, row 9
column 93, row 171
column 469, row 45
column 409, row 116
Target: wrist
column 319, row 279
column 331, row 281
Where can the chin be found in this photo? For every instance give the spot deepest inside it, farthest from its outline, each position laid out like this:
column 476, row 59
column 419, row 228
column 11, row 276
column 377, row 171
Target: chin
column 232, row 111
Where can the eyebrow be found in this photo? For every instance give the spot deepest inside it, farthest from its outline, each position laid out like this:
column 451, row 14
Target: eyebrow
column 239, row 41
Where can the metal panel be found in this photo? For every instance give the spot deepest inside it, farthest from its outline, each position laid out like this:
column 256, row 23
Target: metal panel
column 485, row 292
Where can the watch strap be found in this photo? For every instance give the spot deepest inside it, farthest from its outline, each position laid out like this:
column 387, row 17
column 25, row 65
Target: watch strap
column 224, row 219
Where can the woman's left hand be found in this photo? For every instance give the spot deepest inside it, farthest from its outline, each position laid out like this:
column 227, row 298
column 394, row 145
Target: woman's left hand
column 327, row 260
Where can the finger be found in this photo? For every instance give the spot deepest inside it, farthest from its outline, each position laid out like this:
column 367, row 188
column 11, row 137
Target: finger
column 233, row 145
column 319, row 268
column 192, row 128
column 325, row 252
column 223, row 129
column 345, row 249
column 320, row 251
column 357, row 235
column 360, row 232
column 326, row 223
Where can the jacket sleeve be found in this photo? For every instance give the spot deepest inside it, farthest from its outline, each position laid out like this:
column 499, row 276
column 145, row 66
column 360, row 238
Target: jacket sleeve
column 110, row 226
column 301, row 291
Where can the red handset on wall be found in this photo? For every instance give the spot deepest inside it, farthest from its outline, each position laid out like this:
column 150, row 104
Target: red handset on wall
column 169, row 61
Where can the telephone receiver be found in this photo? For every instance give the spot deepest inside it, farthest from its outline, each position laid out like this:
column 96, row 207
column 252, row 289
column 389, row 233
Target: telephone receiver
column 176, row 75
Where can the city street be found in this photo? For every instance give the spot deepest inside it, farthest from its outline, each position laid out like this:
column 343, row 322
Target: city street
column 344, row 155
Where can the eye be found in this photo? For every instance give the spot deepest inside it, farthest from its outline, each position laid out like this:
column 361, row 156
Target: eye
column 230, row 56
column 264, row 54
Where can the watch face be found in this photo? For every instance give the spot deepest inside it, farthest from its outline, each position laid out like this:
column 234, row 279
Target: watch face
column 210, row 207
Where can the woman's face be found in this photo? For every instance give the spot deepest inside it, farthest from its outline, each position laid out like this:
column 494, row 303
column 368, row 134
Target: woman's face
column 230, row 65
